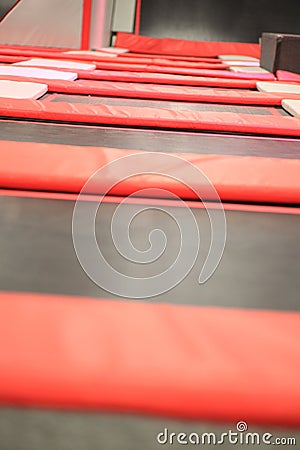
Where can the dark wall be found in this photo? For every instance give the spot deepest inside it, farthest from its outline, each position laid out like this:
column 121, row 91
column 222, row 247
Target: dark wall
column 219, row 20
column 5, row 6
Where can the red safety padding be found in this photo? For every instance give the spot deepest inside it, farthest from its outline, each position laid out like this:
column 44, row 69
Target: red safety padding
column 170, row 57
column 224, row 74
column 11, row 59
column 190, row 362
column 160, row 92
column 291, row 77
column 150, row 117
column 60, row 168
column 168, row 46
column 136, row 77
column 161, row 68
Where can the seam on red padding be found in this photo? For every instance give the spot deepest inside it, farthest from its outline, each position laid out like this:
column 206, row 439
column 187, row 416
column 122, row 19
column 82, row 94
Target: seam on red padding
column 240, row 207
column 190, row 362
column 62, row 168
column 144, row 44
column 159, row 118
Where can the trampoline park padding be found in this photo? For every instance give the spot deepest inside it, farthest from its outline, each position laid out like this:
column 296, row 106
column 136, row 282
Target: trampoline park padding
column 185, row 387
column 164, row 92
column 59, row 168
column 150, row 117
column 167, row 46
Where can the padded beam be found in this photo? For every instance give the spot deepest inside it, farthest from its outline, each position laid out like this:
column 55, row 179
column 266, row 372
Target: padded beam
column 37, row 73
column 59, row 168
column 292, row 106
column 223, row 378
column 22, row 90
column 150, row 117
column 201, row 75
column 56, row 63
column 278, row 87
column 162, row 92
column 167, row 46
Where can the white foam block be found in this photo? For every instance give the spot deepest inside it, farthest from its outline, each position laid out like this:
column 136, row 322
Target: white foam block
column 115, row 50
column 242, row 63
column 57, row 63
column 91, row 53
column 22, row 89
column 31, row 72
column 237, row 58
column 248, row 69
column 281, row 88
column 292, row 107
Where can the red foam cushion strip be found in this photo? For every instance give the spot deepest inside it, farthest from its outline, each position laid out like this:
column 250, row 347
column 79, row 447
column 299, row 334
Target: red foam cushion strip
column 153, row 117
column 186, row 362
column 291, row 77
column 161, row 67
column 137, row 77
column 60, row 168
column 93, row 75
column 11, row 59
column 170, row 57
column 167, row 46
column 162, row 92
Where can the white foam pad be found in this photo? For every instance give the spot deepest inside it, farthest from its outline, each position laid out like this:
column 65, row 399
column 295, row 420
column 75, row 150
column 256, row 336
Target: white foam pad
column 281, row 88
column 91, row 53
column 248, row 69
column 237, row 58
column 115, row 50
column 22, row 89
column 31, row 72
column 242, row 63
column 292, row 106
column 57, row 63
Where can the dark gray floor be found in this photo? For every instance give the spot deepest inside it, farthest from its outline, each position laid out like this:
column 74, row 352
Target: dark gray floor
column 154, row 141
column 259, row 269
column 49, row 430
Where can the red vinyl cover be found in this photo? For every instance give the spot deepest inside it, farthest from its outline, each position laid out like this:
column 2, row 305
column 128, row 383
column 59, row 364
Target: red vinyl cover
column 160, row 92
column 168, row 46
column 162, row 67
column 151, row 117
column 136, row 77
column 61, row 168
column 289, row 77
column 226, row 74
column 131, row 361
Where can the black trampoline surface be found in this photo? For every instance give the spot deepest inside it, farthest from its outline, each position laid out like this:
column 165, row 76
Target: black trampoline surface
column 33, row 429
column 259, row 268
column 173, row 105
column 149, row 140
